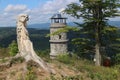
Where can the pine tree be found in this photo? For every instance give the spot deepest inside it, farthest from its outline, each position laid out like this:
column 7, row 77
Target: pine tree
column 95, row 13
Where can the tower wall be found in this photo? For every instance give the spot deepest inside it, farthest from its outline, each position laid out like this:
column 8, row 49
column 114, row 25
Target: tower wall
column 58, row 43
column 58, row 48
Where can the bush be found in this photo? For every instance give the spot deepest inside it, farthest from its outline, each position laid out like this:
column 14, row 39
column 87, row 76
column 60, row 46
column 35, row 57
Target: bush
column 13, row 48
column 43, row 53
column 65, row 58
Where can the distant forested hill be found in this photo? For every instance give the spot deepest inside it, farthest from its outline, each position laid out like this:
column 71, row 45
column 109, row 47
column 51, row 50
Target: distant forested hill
column 47, row 25
column 37, row 36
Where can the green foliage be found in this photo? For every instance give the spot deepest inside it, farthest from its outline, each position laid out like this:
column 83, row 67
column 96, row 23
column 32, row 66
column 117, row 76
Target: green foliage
column 117, row 59
column 95, row 72
column 43, row 53
column 62, row 30
column 13, row 48
column 82, row 46
column 88, row 71
column 66, row 58
column 95, row 28
column 85, row 10
column 104, row 76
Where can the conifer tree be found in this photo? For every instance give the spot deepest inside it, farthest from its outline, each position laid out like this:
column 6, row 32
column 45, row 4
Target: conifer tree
column 95, row 14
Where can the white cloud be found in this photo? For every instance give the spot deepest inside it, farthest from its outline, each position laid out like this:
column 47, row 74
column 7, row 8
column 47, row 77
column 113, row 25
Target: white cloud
column 5, row 13
column 40, row 14
column 53, row 6
column 15, row 8
column 9, row 14
column 44, row 12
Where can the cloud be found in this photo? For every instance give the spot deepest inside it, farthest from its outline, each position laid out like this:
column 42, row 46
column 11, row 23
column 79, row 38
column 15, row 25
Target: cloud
column 44, row 12
column 53, row 6
column 11, row 8
column 39, row 14
column 9, row 14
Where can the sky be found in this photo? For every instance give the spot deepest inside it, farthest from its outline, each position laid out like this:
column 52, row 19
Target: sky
column 39, row 11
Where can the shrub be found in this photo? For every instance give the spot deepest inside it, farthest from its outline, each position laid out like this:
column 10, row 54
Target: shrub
column 65, row 58
column 13, row 48
column 43, row 53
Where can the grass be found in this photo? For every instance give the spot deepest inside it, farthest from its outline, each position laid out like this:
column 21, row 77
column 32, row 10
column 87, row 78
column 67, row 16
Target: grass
column 88, row 69
column 30, row 75
column 84, row 69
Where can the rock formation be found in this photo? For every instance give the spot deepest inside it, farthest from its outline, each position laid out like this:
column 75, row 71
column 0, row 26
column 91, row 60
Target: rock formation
column 25, row 46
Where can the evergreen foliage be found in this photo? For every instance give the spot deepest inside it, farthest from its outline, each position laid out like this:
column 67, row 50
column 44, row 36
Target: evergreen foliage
column 98, row 33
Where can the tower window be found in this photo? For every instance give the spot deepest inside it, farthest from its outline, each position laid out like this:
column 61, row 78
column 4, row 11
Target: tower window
column 60, row 36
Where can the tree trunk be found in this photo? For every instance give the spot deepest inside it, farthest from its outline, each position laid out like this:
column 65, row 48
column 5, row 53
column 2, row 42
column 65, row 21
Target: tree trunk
column 97, row 55
column 97, row 47
column 97, row 14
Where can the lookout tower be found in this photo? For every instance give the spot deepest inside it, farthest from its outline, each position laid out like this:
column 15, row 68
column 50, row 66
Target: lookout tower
column 58, row 43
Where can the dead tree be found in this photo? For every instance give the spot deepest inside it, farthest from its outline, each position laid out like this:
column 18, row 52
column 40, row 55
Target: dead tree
column 25, row 46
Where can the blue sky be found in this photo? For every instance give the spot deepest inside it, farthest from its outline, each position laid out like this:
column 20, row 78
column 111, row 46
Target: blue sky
column 30, row 3
column 39, row 11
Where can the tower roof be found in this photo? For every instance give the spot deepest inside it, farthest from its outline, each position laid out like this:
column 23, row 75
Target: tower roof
column 58, row 16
